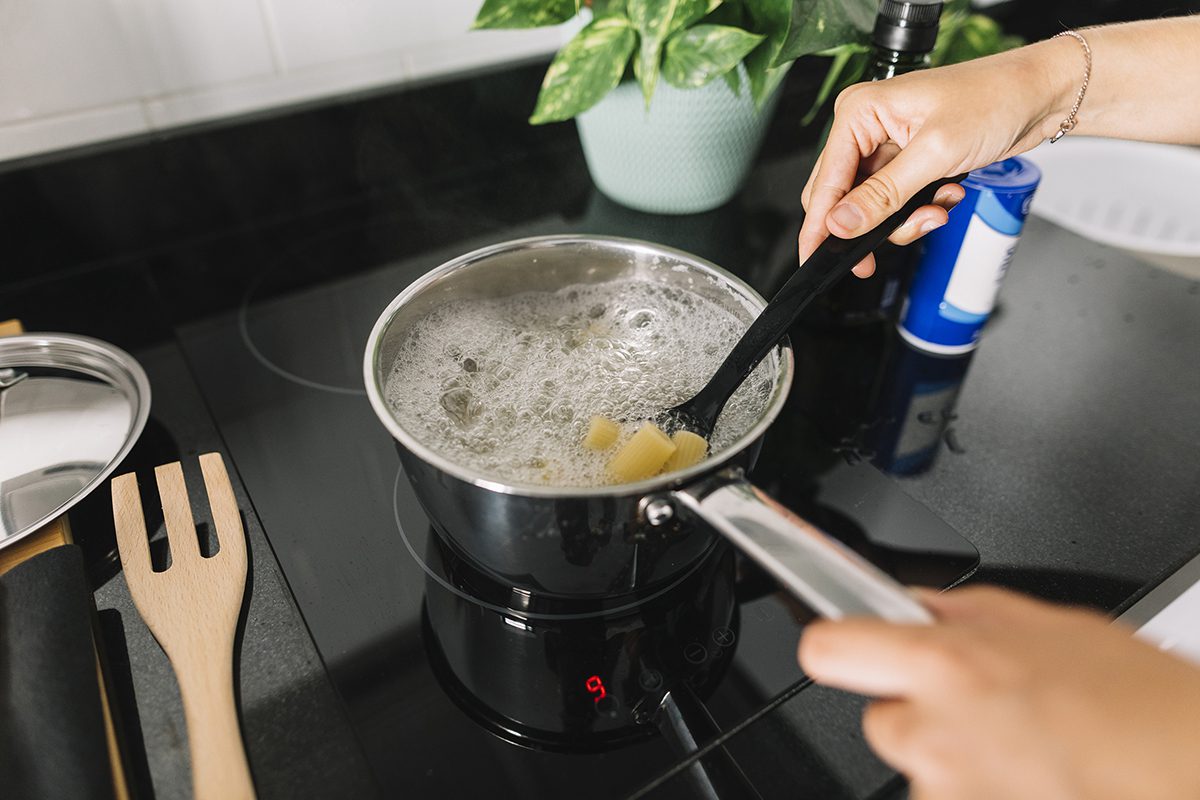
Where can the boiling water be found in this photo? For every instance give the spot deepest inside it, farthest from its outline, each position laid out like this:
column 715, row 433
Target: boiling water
column 507, row 386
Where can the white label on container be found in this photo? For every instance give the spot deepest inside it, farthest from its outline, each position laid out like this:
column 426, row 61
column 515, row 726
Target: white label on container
column 982, row 261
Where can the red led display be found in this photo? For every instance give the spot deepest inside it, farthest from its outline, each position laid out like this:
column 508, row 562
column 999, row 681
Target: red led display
column 596, row 687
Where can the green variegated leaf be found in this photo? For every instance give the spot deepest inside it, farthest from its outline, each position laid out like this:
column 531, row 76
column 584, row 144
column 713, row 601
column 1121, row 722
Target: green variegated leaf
column 692, row 11
column 772, row 18
column 821, row 24
column 585, row 69
column 733, row 79
column 763, row 79
column 524, row 13
column 655, row 20
column 698, row 54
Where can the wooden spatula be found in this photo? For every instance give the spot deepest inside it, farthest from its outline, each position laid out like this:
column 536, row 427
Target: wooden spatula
column 192, row 608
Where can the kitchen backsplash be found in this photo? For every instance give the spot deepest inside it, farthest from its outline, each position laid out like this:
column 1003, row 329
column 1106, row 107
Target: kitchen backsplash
column 73, row 72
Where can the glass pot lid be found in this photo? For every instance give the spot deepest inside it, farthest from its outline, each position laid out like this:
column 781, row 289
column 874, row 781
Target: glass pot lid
column 71, row 408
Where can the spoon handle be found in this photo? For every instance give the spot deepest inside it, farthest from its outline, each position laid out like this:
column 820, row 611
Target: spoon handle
column 830, row 262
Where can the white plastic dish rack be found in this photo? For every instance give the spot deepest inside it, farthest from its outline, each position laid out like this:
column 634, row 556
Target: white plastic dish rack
column 1133, row 195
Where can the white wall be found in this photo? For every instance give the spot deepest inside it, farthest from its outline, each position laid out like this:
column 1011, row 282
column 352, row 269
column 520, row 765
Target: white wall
column 79, row 71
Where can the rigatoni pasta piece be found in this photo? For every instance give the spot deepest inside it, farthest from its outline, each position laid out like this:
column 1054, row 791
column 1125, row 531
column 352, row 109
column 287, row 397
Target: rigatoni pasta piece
column 642, row 456
column 602, row 433
column 689, row 449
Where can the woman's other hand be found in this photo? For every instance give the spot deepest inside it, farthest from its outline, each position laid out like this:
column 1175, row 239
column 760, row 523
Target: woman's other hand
column 1010, row 697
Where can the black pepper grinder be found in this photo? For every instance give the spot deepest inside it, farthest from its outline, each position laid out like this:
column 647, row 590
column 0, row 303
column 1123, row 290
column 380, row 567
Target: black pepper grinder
column 904, row 35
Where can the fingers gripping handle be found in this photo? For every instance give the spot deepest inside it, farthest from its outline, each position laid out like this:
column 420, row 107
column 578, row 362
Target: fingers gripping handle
column 830, row 262
column 846, row 253
column 835, row 581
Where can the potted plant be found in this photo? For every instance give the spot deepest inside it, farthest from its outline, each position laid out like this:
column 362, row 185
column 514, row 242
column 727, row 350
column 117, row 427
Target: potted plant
column 672, row 97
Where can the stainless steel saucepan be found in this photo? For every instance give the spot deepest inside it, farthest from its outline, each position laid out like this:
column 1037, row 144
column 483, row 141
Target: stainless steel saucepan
column 602, row 542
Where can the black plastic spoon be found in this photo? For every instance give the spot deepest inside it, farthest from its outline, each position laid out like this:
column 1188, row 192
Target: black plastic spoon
column 832, row 260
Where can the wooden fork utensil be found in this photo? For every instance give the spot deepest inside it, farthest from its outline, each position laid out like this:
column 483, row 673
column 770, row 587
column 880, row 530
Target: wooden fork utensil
column 192, row 608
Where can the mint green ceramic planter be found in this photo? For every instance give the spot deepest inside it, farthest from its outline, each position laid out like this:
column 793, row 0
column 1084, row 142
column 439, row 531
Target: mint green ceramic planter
column 689, row 152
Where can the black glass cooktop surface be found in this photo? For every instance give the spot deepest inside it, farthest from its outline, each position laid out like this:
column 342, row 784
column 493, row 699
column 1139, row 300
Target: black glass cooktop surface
column 452, row 695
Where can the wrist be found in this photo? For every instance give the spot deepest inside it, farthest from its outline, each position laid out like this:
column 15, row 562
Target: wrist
column 1056, row 66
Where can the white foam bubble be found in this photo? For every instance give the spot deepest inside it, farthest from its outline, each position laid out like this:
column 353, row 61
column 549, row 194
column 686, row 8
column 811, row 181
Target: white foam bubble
column 507, row 386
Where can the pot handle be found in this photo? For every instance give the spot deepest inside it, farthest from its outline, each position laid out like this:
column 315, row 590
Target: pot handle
column 834, row 580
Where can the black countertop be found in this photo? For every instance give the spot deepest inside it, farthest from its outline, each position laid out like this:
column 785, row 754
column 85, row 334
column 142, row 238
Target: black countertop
column 1076, row 475
column 1070, row 464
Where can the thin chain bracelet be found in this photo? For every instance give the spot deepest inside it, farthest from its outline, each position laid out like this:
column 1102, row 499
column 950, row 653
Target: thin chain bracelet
column 1068, row 124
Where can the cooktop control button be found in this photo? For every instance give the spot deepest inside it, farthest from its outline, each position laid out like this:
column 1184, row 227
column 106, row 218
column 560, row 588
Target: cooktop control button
column 724, row 636
column 606, row 706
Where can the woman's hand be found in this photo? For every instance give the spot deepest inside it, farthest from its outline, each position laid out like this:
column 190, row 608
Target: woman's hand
column 1009, row 697
column 891, row 138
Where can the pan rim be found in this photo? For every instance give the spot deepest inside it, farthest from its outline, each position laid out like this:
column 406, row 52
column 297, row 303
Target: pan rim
column 657, row 484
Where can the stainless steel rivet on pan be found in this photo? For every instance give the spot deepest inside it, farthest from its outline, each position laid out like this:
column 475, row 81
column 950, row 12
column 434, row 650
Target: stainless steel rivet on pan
column 657, row 511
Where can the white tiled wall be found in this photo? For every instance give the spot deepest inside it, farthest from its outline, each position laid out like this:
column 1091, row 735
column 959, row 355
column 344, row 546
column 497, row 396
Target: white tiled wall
column 80, row 71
